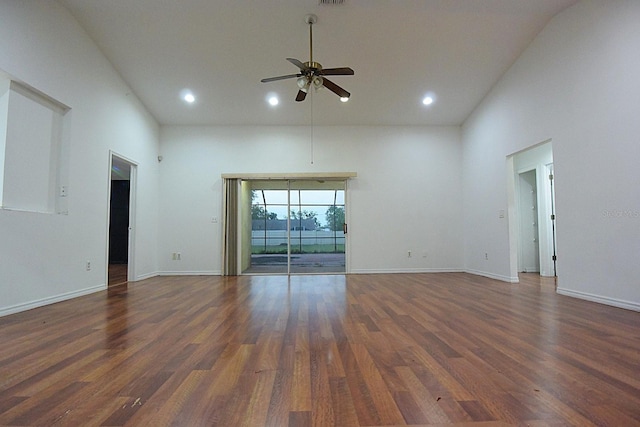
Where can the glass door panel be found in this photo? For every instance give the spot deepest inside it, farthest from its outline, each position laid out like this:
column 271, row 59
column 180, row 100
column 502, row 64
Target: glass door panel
column 269, row 237
column 316, row 227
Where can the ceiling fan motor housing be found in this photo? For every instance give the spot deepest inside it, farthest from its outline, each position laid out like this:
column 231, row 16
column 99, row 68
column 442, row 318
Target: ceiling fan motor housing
column 313, row 66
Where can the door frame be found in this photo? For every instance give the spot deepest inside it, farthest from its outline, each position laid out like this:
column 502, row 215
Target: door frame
column 540, row 162
column 133, row 178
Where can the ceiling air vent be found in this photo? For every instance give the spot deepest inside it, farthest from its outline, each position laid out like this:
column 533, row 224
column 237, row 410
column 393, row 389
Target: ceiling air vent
column 331, row 1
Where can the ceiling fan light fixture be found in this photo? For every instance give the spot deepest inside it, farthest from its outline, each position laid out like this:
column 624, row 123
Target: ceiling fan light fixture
column 318, row 82
column 303, row 83
column 344, row 98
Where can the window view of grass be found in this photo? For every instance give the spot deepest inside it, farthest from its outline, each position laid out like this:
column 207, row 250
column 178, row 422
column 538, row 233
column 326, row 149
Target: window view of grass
column 315, row 227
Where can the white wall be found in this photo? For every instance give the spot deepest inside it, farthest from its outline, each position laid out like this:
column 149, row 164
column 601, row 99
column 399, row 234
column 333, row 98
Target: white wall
column 576, row 84
column 407, row 195
column 43, row 256
column 5, row 84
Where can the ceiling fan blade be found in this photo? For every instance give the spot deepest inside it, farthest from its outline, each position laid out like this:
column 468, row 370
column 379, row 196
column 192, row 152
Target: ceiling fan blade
column 341, row 71
column 301, row 96
column 297, row 63
column 335, row 88
column 273, row 79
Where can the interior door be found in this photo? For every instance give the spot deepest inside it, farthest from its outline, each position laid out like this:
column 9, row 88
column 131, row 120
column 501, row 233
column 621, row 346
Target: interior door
column 529, row 260
column 552, row 217
column 122, row 189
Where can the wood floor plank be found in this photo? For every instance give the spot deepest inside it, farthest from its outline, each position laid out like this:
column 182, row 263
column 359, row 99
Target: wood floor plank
column 364, row 350
column 258, row 403
column 426, row 400
column 321, row 407
column 381, row 396
column 344, row 410
column 280, row 401
column 172, row 405
column 301, row 381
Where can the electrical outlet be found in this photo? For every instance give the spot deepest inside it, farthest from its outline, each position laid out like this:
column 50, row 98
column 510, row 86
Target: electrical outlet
column 88, row 266
column 486, row 255
column 178, row 256
column 408, row 254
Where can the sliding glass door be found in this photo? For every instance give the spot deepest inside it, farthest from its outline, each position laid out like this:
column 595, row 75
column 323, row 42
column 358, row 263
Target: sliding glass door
column 295, row 226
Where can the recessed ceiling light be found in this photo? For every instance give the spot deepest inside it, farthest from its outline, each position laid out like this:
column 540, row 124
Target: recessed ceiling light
column 427, row 100
column 188, row 96
column 272, row 99
column 344, row 98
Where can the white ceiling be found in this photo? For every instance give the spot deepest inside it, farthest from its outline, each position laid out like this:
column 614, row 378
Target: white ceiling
column 399, row 49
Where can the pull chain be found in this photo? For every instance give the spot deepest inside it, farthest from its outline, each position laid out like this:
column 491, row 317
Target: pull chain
column 311, row 120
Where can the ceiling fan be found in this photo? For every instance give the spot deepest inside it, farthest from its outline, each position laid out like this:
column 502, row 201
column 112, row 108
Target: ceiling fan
column 312, row 74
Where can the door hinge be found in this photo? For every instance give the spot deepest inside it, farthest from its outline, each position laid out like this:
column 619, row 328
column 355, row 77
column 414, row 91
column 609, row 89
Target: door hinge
column 553, row 217
column 550, row 177
column 554, row 258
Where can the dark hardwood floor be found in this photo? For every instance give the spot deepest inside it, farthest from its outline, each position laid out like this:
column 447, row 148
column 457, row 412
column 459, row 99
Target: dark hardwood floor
column 117, row 274
column 360, row 350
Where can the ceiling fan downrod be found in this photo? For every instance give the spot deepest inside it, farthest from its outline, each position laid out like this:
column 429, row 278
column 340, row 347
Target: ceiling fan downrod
column 311, row 19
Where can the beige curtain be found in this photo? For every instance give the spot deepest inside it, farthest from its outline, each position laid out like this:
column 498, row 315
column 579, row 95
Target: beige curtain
column 230, row 227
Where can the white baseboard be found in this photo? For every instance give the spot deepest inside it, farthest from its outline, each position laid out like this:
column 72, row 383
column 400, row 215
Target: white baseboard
column 190, row 273
column 145, row 276
column 493, row 276
column 5, row 311
column 614, row 302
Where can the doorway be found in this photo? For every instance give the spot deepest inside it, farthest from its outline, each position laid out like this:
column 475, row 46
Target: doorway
column 531, row 211
column 121, row 196
column 293, row 227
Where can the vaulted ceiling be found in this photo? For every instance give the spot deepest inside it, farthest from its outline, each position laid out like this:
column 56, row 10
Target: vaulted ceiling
column 400, row 50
